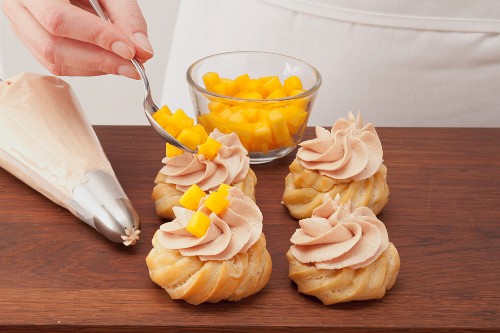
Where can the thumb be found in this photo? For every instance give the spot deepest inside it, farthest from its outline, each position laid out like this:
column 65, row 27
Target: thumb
column 127, row 15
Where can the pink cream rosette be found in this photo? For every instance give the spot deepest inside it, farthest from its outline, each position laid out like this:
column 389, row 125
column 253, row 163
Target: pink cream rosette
column 338, row 236
column 350, row 150
column 230, row 166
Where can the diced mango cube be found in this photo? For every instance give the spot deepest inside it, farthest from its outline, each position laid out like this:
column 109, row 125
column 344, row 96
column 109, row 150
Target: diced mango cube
column 177, row 122
column 163, row 111
column 237, row 117
column 265, row 79
column 254, row 85
column 295, row 125
column 191, row 198
column 211, row 79
column 189, row 138
column 278, row 126
column 243, row 129
column 171, row 151
column 201, row 131
column 252, row 95
column 216, row 106
column 232, row 87
column 162, row 120
column 296, row 92
column 236, row 108
column 262, row 133
column 272, row 84
column 242, row 80
column 292, row 83
column 257, row 146
column 250, row 114
column 223, row 189
column 198, row 224
column 242, row 93
column 278, row 93
column 220, row 88
column 210, row 148
column 216, row 202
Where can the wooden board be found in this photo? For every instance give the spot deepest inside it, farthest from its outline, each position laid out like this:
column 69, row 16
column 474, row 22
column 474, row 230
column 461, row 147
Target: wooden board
column 58, row 274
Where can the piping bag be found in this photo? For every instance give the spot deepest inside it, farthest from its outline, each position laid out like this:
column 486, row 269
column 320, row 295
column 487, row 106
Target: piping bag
column 47, row 142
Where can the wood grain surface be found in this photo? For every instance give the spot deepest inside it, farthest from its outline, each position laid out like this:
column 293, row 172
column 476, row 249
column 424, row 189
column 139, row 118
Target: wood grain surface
column 58, row 274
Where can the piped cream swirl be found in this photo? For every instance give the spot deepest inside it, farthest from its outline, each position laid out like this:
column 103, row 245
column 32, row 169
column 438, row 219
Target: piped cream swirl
column 350, row 150
column 233, row 232
column 230, row 166
column 336, row 236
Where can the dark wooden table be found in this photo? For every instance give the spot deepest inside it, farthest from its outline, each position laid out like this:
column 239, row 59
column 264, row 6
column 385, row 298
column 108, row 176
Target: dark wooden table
column 58, row 274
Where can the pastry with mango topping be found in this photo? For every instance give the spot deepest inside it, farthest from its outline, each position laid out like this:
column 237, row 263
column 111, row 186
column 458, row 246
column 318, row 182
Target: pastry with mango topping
column 221, row 158
column 346, row 160
column 214, row 250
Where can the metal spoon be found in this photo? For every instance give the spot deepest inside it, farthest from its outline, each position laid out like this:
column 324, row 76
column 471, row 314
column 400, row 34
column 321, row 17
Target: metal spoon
column 149, row 106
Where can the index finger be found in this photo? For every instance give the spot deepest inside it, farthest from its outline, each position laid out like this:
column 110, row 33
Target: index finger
column 61, row 18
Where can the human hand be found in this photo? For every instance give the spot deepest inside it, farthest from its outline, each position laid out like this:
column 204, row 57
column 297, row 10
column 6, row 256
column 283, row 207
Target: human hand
column 67, row 38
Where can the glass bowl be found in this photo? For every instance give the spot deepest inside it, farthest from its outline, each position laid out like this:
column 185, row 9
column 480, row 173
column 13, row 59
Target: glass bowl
column 269, row 128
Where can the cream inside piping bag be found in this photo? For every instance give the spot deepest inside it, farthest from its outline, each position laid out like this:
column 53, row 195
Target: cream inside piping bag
column 46, row 141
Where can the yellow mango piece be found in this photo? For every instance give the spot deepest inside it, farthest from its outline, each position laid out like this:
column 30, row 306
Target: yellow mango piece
column 211, row 79
column 254, row 85
column 177, row 122
column 278, row 126
column 296, row 92
column 216, row 202
column 171, row 151
column 237, row 117
column 221, row 89
column 189, row 138
column 262, row 133
column 256, row 146
column 236, row 108
column 232, row 87
column 242, row 80
column 250, row 114
column 291, row 112
column 210, row 148
column 252, row 95
column 198, row 224
column 262, row 117
column 265, row 79
column 201, row 131
column 296, row 125
column 212, row 121
column 216, row 106
column 223, row 189
column 278, row 93
column 244, row 130
column 226, row 113
column 191, row 198
column 163, row 111
column 242, row 93
column 292, row 83
column 272, row 84
column 162, row 120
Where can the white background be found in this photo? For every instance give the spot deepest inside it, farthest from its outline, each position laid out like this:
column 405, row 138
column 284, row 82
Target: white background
column 107, row 99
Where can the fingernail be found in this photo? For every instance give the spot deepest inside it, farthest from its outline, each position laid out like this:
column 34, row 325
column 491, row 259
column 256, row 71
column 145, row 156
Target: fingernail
column 128, row 71
column 123, row 50
column 143, row 41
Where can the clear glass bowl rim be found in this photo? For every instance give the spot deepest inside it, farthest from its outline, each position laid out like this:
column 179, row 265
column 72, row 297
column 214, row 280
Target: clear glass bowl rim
column 202, row 90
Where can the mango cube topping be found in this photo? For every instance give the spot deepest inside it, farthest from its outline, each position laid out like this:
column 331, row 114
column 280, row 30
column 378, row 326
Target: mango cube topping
column 216, row 202
column 223, row 189
column 191, row 198
column 164, row 111
column 292, row 83
column 172, row 151
column 210, row 148
column 189, row 138
column 198, row 224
